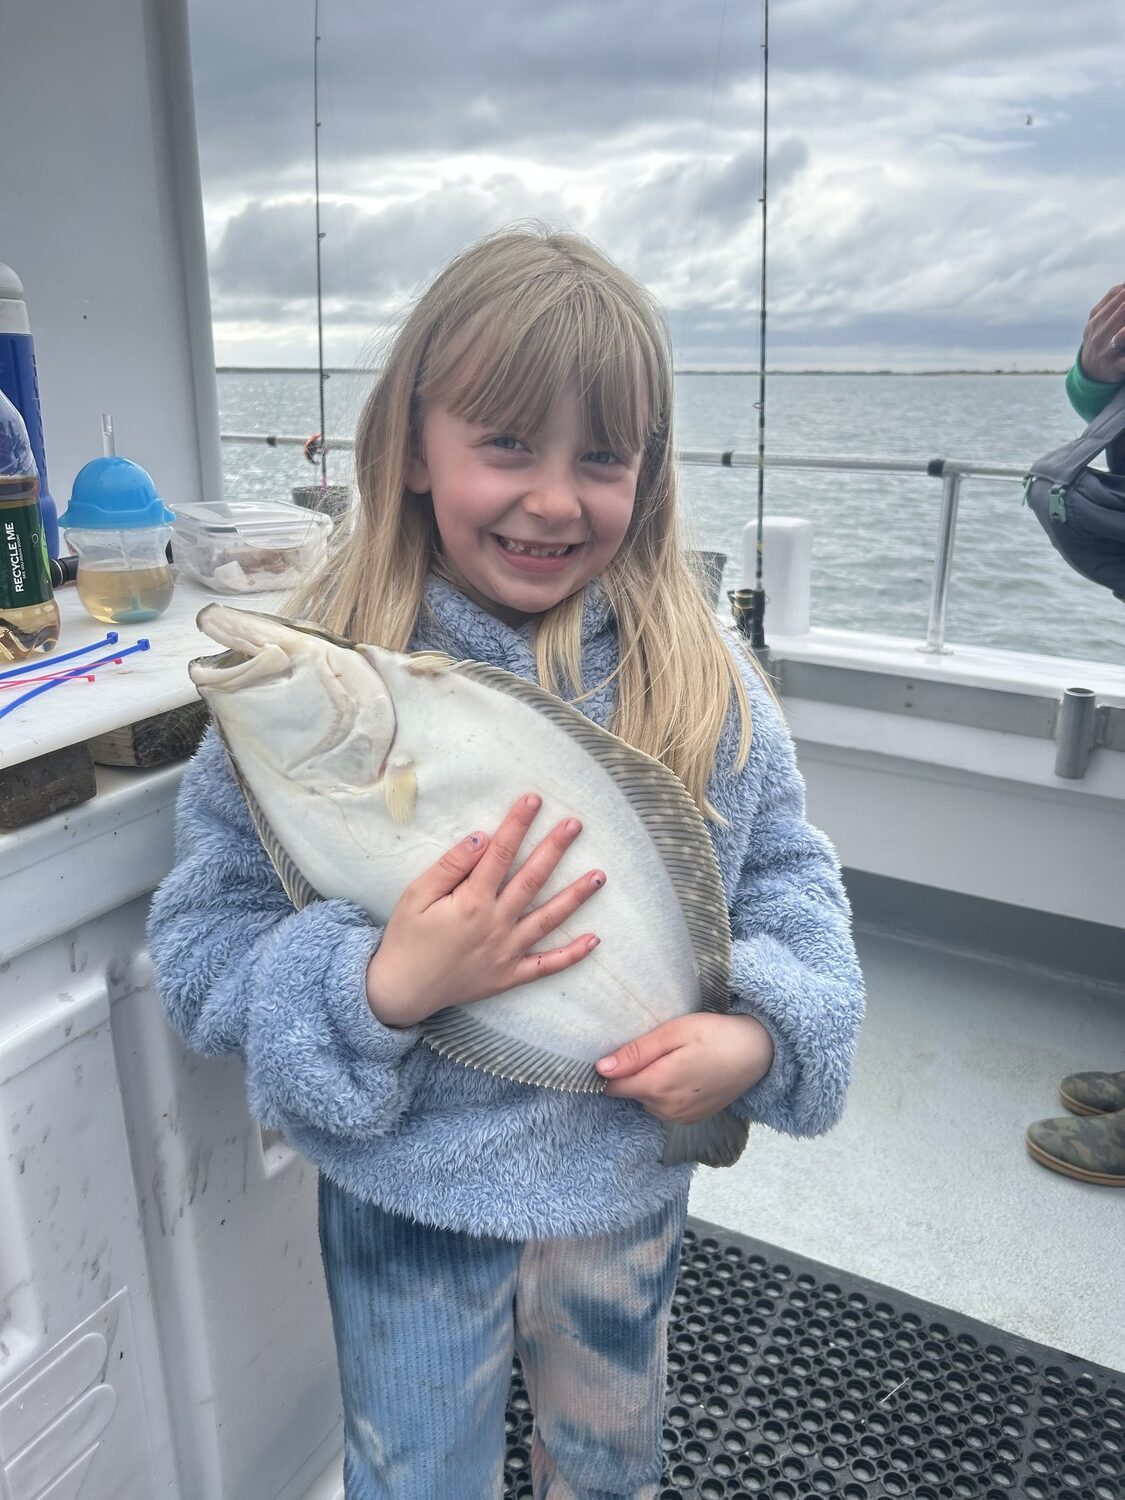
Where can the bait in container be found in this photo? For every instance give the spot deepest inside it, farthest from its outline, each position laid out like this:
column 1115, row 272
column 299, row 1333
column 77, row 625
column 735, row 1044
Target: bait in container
column 249, row 546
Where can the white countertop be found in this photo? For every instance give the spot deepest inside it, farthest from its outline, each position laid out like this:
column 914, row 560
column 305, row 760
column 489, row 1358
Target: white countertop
column 146, row 683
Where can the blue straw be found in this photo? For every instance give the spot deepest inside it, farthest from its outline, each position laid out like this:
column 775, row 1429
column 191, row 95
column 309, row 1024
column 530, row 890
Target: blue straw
column 49, row 661
column 45, row 687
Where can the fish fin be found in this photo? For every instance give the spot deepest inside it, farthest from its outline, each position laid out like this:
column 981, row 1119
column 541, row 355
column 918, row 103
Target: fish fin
column 670, row 817
column 457, row 1034
column 429, row 663
column 400, row 789
column 294, row 884
column 717, row 1141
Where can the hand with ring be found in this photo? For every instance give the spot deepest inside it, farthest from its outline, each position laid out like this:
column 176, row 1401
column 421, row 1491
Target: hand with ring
column 1102, row 355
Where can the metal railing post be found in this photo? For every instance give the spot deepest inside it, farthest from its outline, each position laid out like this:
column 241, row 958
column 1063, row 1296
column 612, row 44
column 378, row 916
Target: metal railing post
column 939, row 594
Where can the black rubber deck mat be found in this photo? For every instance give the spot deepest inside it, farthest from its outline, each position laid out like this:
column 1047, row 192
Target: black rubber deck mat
column 789, row 1380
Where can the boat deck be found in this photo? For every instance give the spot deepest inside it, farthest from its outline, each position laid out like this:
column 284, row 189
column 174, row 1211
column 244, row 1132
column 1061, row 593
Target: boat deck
column 927, row 1185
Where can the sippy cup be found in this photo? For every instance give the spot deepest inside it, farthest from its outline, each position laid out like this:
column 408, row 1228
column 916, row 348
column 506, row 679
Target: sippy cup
column 119, row 527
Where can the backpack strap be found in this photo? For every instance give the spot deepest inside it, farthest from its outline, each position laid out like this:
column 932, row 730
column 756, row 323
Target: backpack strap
column 1063, row 465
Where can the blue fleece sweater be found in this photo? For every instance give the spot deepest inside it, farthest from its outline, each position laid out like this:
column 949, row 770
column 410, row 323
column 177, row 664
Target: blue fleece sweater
column 373, row 1107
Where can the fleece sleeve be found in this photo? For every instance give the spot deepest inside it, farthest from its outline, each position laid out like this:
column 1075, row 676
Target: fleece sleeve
column 1085, row 395
column 793, row 961
column 238, row 970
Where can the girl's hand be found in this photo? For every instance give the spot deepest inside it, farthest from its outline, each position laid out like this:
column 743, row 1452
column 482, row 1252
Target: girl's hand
column 1103, row 339
column 459, row 933
column 692, row 1067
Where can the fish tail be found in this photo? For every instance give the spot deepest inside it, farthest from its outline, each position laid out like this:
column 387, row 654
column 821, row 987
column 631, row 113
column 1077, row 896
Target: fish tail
column 717, row 1141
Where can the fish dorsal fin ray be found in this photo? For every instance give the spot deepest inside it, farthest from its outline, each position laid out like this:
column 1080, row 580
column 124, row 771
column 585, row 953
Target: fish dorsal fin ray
column 460, row 1035
column 668, row 813
column 294, row 884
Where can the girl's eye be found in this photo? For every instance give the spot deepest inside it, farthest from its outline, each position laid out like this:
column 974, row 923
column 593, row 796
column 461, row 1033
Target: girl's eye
column 505, row 441
column 602, row 456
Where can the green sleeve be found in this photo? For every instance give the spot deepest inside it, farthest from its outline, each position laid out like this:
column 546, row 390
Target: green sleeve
column 1085, row 395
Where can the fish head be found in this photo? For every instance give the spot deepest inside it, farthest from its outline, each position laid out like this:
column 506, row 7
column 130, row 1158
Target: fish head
column 306, row 702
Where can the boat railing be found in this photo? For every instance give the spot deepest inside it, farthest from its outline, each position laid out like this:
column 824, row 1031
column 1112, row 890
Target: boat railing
column 951, row 471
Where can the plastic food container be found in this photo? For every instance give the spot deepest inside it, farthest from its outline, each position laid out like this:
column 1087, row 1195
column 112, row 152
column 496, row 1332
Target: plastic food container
column 248, row 546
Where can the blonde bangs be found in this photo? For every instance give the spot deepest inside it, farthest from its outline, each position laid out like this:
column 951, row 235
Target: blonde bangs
column 506, row 366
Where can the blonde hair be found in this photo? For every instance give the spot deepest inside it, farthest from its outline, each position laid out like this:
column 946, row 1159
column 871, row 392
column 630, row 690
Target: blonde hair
column 504, row 329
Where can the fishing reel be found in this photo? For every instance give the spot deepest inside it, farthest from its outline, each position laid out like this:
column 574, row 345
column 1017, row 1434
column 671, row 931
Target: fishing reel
column 748, row 610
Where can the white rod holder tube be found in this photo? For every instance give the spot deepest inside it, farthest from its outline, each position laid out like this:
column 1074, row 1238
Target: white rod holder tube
column 786, row 572
column 1074, row 734
column 943, row 562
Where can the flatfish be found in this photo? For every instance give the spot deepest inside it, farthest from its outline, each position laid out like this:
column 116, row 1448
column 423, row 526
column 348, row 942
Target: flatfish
column 362, row 766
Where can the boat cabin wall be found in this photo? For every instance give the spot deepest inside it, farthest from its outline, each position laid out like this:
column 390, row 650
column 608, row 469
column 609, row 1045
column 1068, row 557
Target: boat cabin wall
column 103, row 222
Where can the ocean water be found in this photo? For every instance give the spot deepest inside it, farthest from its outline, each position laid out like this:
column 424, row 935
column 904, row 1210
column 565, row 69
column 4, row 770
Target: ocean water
column 874, row 536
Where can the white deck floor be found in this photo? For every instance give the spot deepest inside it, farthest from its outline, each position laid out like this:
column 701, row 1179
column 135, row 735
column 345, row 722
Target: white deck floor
column 927, row 1186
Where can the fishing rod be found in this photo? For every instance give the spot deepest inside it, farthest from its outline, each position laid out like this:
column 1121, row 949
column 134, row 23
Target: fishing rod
column 757, row 601
column 321, row 449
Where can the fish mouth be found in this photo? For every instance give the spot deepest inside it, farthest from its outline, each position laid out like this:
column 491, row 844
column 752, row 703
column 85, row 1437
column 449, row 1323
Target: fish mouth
column 245, row 660
column 230, row 628
column 235, row 669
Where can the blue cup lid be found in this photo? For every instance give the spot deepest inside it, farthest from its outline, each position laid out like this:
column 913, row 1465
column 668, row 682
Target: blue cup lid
column 114, row 494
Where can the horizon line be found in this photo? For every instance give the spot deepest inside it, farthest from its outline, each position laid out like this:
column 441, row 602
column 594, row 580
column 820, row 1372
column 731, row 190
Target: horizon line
column 677, row 370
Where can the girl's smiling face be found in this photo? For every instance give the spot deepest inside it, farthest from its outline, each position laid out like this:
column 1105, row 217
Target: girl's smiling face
column 525, row 520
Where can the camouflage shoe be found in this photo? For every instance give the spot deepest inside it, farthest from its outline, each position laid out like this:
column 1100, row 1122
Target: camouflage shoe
column 1093, row 1093
column 1091, row 1149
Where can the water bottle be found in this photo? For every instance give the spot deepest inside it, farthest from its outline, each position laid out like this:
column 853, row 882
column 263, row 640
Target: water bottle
column 29, row 616
column 20, row 383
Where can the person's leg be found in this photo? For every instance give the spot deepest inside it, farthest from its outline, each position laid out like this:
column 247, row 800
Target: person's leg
column 592, row 1333
column 424, row 1337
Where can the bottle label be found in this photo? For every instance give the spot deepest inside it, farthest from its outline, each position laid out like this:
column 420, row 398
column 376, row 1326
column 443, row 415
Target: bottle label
column 24, row 575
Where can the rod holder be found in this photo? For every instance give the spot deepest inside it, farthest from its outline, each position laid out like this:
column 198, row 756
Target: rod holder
column 786, row 570
column 943, row 560
column 748, row 608
column 1074, row 734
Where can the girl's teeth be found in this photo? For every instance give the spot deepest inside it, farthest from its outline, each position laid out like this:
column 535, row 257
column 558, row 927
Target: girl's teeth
column 510, row 546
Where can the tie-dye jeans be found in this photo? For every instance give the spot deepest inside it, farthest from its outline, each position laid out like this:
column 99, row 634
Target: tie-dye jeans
column 426, row 1321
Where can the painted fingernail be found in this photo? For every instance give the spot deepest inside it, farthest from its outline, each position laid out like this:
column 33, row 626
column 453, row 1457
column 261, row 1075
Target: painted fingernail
column 533, row 803
column 592, row 944
column 474, row 841
column 597, row 878
column 572, row 826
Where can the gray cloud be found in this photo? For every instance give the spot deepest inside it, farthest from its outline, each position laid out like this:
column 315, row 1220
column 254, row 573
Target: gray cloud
column 453, row 77
column 909, row 200
column 443, row 76
column 265, row 258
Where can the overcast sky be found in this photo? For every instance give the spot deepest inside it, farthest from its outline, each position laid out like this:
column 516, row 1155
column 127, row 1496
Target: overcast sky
column 946, row 181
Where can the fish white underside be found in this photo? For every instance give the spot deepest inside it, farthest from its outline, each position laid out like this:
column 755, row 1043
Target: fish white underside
column 460, row 742
column 346, row 844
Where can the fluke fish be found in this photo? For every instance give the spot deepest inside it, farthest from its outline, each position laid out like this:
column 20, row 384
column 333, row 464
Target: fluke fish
column 361, row 766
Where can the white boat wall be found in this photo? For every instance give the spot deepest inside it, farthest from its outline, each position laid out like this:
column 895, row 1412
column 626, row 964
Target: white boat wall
column 163, row 1324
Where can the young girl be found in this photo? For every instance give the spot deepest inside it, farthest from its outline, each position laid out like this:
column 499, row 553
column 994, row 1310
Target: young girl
column 517, row 506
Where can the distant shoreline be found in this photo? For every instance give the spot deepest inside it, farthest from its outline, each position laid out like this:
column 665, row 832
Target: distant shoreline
column 357, row 370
